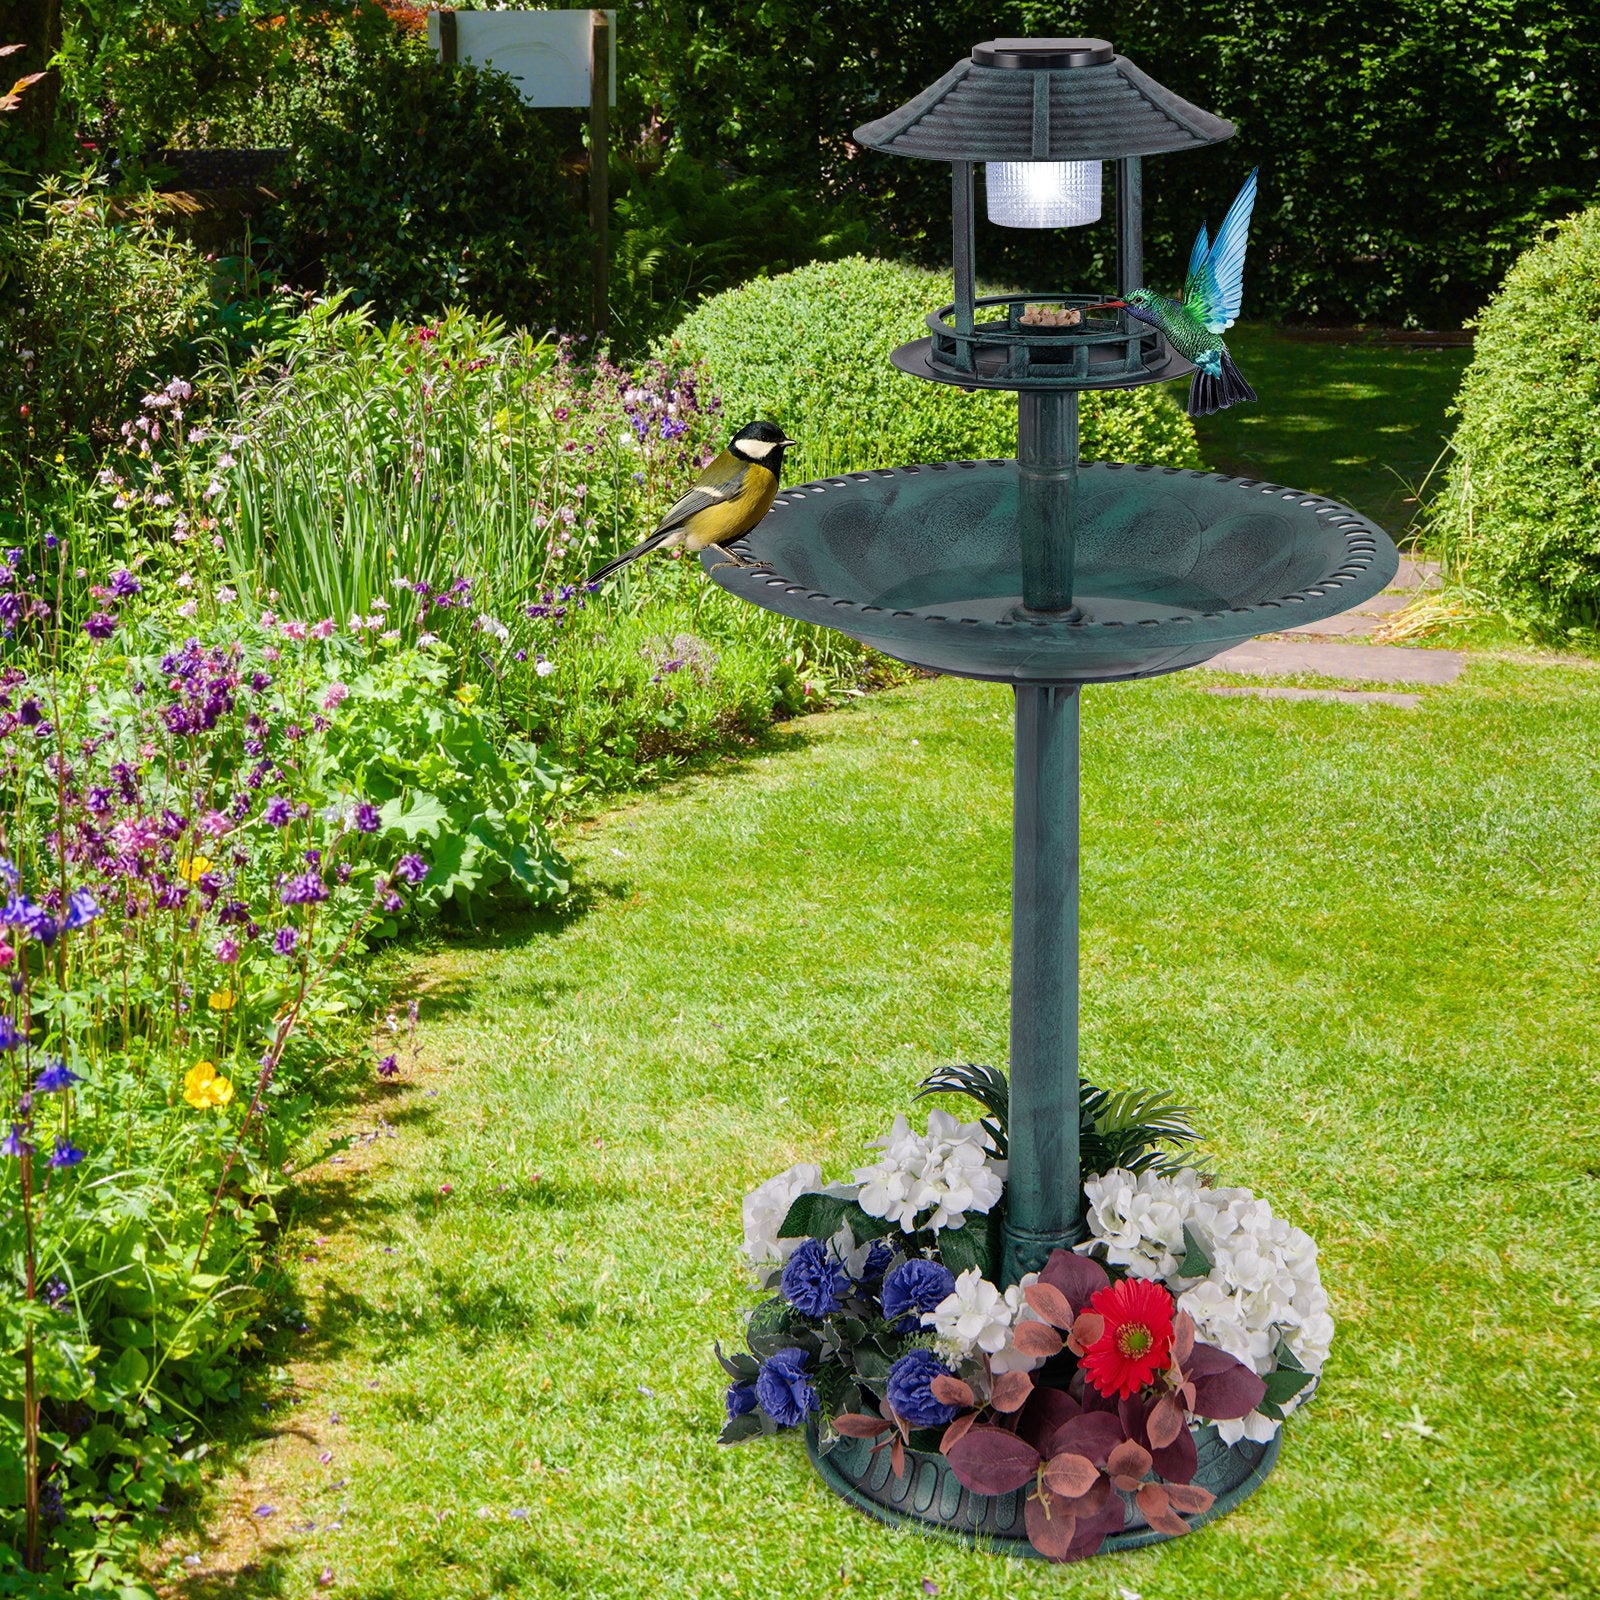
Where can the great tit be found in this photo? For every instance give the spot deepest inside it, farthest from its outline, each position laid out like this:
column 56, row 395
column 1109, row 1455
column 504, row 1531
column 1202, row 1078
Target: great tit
column 728, row 499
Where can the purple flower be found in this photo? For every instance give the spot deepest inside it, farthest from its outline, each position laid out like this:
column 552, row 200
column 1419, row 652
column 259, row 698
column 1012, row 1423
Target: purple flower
column 313, row 858
column 14, row 1144
column 392, row 902
column 306, row 888
column 82, row 909
column 783, row 1389
column 876, row 1263
column 54, row 1077
column 277, row 812
column 29, row 714
column 11, row 1036
column 284, row 941
column 367, row 818
column 740, row 1400
column 65, row 1154
column 99, row 801
column 388, row 1067
column 412, row 868
column 812, row 1281
column 101, row 625
column 913, row 1287
column 227, row 951
column 909, row 1389
column 54, row 1292
column 123, row 584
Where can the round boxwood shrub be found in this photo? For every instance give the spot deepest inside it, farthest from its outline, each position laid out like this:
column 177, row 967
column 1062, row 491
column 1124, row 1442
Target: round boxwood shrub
column 1520, row 515
column 810, row 350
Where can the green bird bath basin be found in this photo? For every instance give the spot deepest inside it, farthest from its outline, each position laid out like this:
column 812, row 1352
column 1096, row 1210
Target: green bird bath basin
column 1171, row 567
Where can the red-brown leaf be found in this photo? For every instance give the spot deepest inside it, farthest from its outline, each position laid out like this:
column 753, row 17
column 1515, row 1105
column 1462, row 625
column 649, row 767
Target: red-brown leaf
column 1079, row 1278
column 1182, row 1337
column 1225, row 1389
column 1128, row 1460
column 1071, row 1475
column 1037, row 1338
column 1050, row 1303
column 853, row 1425
column 1094, row 1434
column 1164, row 1422
column 989, row 1460
column 1051, row 1526
column 1190, row 1497
column 1087, row 1329
column 897, row 1457
column 952, row 1391
column 1045, row 1411
column 1178, row 1461
column 1155, row 1509
column 955, row 1431
column 1011, row 1389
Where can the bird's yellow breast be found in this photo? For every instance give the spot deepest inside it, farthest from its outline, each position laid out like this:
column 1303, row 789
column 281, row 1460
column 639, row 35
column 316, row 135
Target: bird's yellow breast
column 725, row 521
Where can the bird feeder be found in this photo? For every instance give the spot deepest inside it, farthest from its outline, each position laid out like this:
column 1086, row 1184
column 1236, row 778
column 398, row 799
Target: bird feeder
column 1047, row 574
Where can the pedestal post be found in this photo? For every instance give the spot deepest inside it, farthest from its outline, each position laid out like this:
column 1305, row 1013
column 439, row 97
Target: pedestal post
column 1047, row 474
column 1042, row 1186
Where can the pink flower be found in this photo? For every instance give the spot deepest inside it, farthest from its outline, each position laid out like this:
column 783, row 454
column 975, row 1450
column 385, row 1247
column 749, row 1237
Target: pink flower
column 214, row 823
column 268, row 620
column 227, row 951
column 271, row 653
column 293, row 630
column 336, row 695
column 7, row 954
column 325, row 629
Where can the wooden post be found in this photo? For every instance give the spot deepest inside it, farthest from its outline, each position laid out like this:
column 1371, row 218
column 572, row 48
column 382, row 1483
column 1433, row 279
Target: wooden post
column 449, row 51
column 599, row 155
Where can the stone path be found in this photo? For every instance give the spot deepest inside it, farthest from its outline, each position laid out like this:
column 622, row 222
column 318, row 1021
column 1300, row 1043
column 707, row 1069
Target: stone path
column 1327, row 649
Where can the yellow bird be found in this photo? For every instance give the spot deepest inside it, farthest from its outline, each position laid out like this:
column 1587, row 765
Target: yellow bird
column 727, row 500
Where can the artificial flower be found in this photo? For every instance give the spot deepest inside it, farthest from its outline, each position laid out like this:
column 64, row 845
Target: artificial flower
column 909, row 1390
column 914, row 1287
column 784, row 1390
column 947, row 1172
column 812, row 1282
column 768, row 1204
column 1137, row 1337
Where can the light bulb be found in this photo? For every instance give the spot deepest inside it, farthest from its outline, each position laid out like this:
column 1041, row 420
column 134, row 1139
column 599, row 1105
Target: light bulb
column 1042, row 194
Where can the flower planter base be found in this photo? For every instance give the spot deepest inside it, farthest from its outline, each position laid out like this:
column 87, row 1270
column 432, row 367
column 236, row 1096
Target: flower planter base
column 929, row 1495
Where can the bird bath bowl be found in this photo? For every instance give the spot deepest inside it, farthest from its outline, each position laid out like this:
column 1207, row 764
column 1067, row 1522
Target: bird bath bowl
column 1172, row 567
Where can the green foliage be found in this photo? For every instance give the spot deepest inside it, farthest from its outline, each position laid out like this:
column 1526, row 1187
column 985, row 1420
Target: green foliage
column 1401, row 171
column 1520, row 515
column 92, row 297
column 418, row 186
column 686, row 229
column 810, row 350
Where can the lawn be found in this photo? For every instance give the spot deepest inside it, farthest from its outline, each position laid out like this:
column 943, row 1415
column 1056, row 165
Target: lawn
column 1382, row 404
column 1361, row 939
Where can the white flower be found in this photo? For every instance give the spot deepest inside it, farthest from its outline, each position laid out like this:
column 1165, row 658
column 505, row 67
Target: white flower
column 950, row 1170
column 768, row 1204
column 976, row 1316
column 493, row 626
column 544, row 668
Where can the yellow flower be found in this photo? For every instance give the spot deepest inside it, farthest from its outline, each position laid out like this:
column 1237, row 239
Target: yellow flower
column 203, row 1089
column 192, row 868
column 221, row 999
column 467, row 694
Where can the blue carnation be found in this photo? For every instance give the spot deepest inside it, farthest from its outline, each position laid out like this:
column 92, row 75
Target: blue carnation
column 783, row 1388
column 913, row 1287
column 812, row 1282
column 877, row 1262
column 909, row 1389
column 741, row 1400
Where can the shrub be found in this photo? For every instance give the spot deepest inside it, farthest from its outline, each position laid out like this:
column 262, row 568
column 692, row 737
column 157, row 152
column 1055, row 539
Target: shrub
column 1520, row 515
column 418, row 186
column 92, row 297
column 811, row 349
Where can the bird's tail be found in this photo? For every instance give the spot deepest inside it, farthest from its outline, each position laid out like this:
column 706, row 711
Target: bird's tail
column 643, row 548
column 1211, row 392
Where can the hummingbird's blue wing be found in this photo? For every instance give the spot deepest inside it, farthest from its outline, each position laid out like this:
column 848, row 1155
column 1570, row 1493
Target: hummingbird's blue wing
column 1216, row 285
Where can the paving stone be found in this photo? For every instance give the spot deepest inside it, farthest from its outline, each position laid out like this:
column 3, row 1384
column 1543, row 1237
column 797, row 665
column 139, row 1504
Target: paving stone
column 1372, row 663
column 1415, row 574
column 1380, row 605
column 1341, row 626
column 1382, row 697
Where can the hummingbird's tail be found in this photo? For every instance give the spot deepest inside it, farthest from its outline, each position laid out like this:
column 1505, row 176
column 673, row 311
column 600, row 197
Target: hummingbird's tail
column 1211, row 392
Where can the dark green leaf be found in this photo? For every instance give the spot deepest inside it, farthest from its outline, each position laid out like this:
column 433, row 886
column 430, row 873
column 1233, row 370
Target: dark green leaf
column 1196, row 1262
column 814, row 1216
column 966, row 1246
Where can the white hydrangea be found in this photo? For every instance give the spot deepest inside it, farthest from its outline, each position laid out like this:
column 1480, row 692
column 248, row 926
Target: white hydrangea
column 976, row 1316
column 951, row 1169
column 768, row 1204
column 1263, row 1286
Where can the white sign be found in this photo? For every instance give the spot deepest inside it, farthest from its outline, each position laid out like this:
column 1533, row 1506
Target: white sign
column 547, row 52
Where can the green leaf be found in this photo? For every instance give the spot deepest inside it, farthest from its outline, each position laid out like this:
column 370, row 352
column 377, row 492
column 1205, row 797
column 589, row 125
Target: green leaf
column 737, row 1429
column 1284, row 1384
column 871, row 1363
column 966, row 1246
column 1196, row 1262
column 814, row 1216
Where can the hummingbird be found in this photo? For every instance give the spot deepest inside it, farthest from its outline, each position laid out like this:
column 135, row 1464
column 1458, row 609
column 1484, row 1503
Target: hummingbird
column 1211, row 294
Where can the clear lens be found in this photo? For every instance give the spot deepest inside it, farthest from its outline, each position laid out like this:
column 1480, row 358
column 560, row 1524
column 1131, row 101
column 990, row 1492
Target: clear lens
column 1042, row 194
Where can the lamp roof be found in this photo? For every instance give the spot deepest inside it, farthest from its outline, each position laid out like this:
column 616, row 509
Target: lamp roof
column 1043, row 100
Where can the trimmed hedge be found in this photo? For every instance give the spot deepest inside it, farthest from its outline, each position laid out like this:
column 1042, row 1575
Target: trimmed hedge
column 1520, row 515
column 810, row 350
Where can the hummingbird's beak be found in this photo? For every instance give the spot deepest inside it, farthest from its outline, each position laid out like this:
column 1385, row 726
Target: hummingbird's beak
column 1108, row 305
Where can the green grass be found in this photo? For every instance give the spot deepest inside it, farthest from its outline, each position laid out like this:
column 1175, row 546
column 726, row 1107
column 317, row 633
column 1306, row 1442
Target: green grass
column 1363, row 421
column 1360, row 939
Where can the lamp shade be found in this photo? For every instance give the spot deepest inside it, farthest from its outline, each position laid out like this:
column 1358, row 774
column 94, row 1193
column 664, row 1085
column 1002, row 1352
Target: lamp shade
column 1042, row 194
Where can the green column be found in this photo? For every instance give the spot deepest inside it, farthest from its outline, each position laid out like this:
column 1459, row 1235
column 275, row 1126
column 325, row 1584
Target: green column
column 1047, row 474
column 1042, row 1188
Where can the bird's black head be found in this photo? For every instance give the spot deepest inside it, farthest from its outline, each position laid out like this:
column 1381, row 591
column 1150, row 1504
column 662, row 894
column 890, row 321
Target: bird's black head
column 761, row 442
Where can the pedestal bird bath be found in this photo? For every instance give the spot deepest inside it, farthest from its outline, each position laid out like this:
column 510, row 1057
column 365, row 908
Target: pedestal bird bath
column 1048, row 574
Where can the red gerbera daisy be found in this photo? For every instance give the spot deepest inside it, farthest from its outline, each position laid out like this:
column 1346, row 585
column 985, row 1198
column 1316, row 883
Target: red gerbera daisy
column 1136, row 1340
